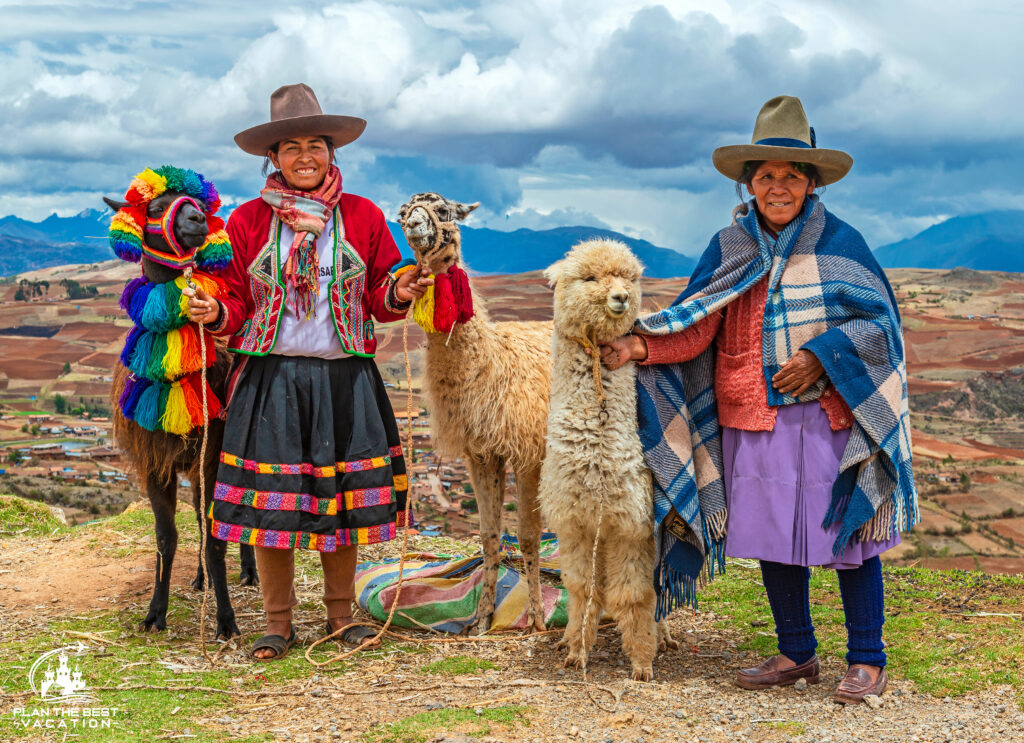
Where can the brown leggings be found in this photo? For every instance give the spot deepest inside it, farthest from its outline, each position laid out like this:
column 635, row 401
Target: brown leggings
column 277, row 581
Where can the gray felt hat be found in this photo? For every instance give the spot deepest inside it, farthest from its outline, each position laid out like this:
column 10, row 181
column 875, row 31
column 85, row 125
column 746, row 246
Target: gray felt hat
column 782, row 132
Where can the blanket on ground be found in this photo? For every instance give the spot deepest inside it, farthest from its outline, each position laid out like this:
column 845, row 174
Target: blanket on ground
column 441, row 592
column 826, row 294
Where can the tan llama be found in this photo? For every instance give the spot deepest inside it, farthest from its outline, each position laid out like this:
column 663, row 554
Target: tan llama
column 488, row 385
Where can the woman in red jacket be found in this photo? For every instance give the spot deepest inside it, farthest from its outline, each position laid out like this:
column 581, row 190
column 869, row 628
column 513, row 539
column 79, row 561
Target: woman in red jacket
column 311, row 456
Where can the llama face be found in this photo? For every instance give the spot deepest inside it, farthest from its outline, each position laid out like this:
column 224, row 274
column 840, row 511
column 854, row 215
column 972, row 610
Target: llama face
column 597, row 290
column 189, row 226
column 429, row 223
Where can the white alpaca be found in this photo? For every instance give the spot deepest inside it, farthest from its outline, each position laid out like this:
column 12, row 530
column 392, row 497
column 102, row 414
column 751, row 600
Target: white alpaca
column 593, row 470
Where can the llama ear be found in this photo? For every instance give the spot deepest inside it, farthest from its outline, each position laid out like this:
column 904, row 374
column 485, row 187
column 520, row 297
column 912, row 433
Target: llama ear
column 553, row 272
column 115, row 205
column 462, row 210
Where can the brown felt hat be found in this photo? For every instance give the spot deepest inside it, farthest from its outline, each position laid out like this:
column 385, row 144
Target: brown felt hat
column 781, row 132
column 295, row 112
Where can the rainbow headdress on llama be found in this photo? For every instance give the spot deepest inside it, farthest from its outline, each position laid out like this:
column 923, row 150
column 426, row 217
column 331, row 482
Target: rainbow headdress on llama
column 444, row 305
column 129, row 224
column 164, row 389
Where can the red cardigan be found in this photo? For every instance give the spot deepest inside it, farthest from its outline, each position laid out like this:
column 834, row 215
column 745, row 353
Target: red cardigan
column 363, row 256
column 741, row 390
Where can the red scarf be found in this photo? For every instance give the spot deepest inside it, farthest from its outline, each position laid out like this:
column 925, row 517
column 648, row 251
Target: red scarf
column 306, row 212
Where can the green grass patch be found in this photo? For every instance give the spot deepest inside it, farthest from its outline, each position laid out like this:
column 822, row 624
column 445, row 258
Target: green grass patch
column 931, row 636
column 790, row 727
column 126, row 657
column 457, row 665
column 27, row 518
column 425, row 725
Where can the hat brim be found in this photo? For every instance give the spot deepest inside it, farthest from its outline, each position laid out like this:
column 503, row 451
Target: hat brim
column 831, row 164
column 341, row 129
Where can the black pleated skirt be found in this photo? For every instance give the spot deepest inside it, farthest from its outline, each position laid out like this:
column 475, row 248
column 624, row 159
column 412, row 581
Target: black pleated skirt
column 311, row 457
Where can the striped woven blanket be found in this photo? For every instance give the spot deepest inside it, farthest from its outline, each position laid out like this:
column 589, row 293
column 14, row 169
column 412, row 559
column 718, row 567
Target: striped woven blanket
column 826, row 294
column 441, row 592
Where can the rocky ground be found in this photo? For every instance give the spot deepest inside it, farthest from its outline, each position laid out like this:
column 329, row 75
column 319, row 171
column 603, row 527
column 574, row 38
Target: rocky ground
column 955, row 647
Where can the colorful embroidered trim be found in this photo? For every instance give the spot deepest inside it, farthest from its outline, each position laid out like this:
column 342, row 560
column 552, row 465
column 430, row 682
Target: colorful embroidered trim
column 180, row 255
column 274, row 501
column 305, row 468
column 305, row 539
column 128, row 224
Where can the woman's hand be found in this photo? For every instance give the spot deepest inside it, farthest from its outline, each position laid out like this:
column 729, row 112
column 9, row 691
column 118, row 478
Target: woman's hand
column 622, row 349
column 412, row 285
column 797, row 375
column 201, row 306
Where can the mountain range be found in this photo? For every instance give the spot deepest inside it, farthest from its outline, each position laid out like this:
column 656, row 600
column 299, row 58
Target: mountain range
column 989, row 241
column 57, row 241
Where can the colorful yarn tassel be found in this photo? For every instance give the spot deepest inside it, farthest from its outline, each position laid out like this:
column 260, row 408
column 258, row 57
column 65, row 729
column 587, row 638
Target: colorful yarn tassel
column 133, row 389
column 129, row 345
column 461, row 294
column 445, row 311
column 447, row 303
column 140, row 354
column 155, row 363
column 175, row 418
column 129, row 291
column 423, row 311
column 147, row 410
column 172, row 361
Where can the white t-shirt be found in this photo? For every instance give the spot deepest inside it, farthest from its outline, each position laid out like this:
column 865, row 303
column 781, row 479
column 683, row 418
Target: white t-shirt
column 316, row 336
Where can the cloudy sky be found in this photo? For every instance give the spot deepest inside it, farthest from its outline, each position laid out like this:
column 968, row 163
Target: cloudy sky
column 549, row 112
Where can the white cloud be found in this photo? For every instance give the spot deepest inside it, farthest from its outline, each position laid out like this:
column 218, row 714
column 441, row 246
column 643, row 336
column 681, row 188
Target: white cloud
column 546, row 109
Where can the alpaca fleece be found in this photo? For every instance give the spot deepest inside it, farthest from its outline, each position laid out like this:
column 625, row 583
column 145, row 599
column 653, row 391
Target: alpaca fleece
column 594, row 461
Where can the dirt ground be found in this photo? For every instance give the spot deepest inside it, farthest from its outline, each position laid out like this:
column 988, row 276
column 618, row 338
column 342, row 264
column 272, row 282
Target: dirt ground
column 692, row 697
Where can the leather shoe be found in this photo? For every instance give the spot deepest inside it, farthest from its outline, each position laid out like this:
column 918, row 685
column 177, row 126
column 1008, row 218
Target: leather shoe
column 857, row 684
column 768, row 674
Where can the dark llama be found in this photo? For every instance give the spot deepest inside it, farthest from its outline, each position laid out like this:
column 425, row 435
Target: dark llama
column 167, row 222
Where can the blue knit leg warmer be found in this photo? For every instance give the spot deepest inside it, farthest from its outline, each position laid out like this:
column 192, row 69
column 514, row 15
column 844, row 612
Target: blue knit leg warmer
column 864, row 604
column 790, row 601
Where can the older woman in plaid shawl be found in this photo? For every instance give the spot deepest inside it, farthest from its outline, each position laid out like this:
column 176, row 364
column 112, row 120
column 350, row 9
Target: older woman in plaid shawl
column 773, row 407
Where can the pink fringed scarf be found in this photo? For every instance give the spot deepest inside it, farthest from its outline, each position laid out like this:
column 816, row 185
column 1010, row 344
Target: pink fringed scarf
column 306, row 212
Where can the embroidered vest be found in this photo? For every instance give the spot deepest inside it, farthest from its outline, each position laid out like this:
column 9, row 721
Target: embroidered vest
column 258, row 335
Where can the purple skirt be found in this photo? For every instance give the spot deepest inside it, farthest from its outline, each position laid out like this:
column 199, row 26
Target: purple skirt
column 778, row 486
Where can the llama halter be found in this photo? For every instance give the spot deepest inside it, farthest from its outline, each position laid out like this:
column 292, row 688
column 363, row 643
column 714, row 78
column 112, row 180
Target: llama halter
column 164, row 227
column 131, row 221
column 441, row 227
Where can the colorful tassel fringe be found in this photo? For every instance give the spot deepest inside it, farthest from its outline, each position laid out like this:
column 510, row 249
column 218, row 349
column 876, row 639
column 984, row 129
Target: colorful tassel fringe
column 447, row 303
column 162, row 353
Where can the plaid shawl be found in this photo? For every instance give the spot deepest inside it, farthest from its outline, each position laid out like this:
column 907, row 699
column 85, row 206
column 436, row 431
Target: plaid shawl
column 826, row 294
